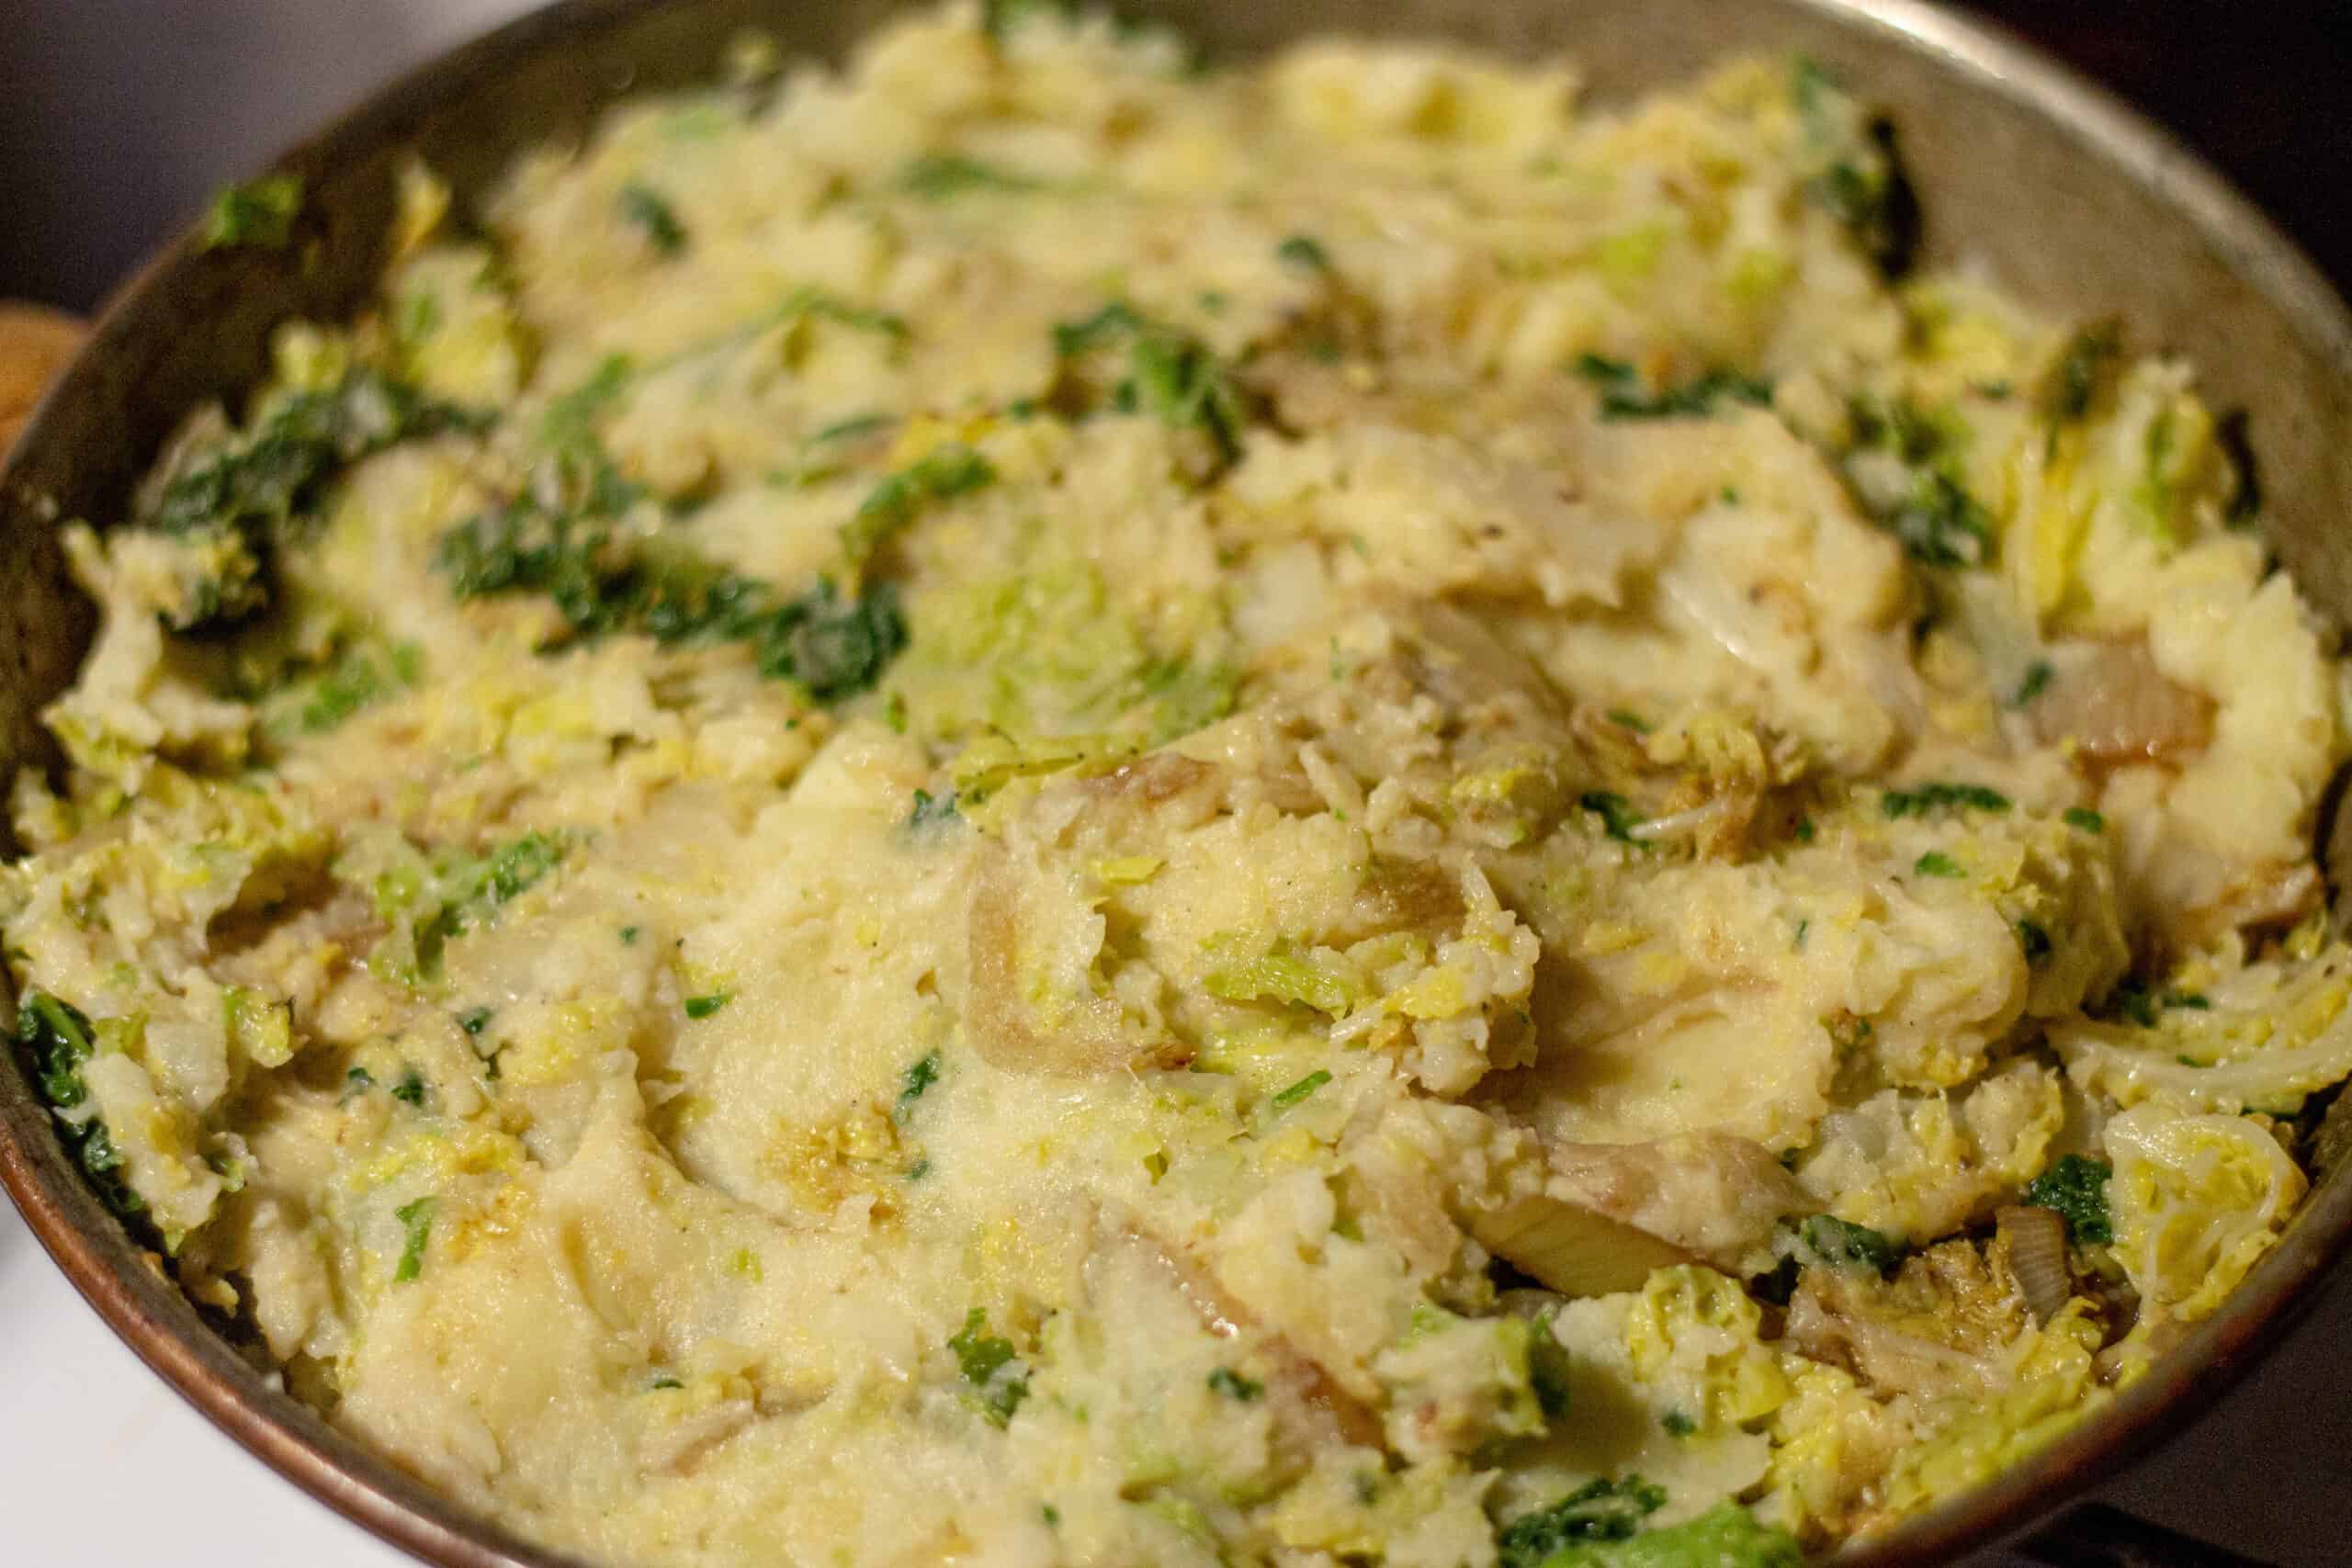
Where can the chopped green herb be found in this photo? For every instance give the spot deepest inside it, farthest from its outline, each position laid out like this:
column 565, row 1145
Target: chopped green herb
column 416, row 1218
column 2076, row 1188
column 1300, row 1090
column 941, row 474
column 60, row 1038
column 604, row 581
column 1863, row 184
column 665, row 1381
column 988, row 1363
column 2036, row 681
column 628, row 936
column 2083, row 369
column 1844, row 1246
column 2084, row 818
column 932, row 810
column 1805, row 830
column 1934, row 517
column 2034, row 940
column 2134, row 1000
column 704, row 1006
column 358, row 1078
column 1935, row 863
column 410, row 1090
column 1305, row 251
column 1927, row 797
column 1170, row 375
column 914, row 1083
column 1676, row 1423
column 937, row 177
column 648, row 211
column 1233, row 1385
column 1623, row 395
column 1599, row 1510
column 1618, row 817
column 246, row 494
column 1624, row 720
column 258, row 212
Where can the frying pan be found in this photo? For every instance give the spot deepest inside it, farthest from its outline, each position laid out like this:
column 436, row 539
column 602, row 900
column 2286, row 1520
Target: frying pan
column 2073, row 202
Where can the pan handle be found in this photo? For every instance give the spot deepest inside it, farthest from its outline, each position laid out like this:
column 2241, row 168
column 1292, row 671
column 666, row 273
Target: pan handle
column 2096, row 1536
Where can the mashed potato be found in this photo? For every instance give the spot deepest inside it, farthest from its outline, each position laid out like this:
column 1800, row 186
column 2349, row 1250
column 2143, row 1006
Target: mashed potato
column 1025, row 807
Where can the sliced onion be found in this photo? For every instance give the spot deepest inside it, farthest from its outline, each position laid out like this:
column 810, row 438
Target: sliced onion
column 1571, row 1248
column 2037, row 1244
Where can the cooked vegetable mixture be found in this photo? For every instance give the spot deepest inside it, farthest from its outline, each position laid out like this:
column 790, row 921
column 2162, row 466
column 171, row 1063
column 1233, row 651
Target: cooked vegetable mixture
column 1021, row 807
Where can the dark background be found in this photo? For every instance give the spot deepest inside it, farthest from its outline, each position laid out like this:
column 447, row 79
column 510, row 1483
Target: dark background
column 102, row 151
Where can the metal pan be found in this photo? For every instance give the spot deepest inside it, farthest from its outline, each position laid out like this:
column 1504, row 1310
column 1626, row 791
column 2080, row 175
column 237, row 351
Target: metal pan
column 2077, row 204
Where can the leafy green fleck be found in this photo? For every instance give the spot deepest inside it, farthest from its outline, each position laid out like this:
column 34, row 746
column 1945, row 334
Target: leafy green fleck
column 1618, row 817
column 410, row 1090
column 937, row 177
column 2076, row 1188
column 1727, row 1535
column 1927, row 797
column 1842, row 1244
column 2085, row 818
column 647, row 210
column 2083, row 371
column 2034, row 941
column 473, row 1021
column 941, row 474
column 2036, row 681
column 1169, row 374
column 1623, row 396
column 914, row 1084
column 991, row 1365
column 1233, row 1385
column 1676, row 1423
column 1305, row 251
column 1300, row 1090
column 1598, row 1510
column 932, row 810
column 60, row 1038
column 416, row 1218
column 243, row 495
column 704, row 1006
column 1935, row 863
column 258, row 212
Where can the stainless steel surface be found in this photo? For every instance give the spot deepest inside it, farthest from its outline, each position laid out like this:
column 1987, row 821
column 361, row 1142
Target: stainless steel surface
column 2070, row 200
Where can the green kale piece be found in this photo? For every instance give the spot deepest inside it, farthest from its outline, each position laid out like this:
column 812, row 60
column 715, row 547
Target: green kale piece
column 1930, row 798
column 647, row 210
column 416, row 1220
column 58, row 1039
column 1842, row 1244
column 257, row 212
column 1623, row 395
column 1599, row 1510
column 991, row 1365
column 1170, row 375
column 1727, row 1535
column 2076, row 1188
